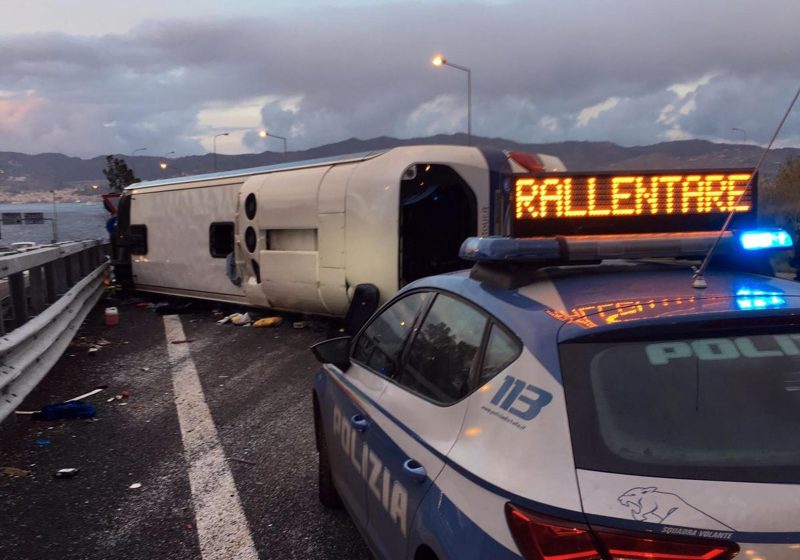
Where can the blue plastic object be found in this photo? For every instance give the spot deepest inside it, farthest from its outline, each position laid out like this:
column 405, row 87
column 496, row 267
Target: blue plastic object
column 760, row 239
column 70, row 409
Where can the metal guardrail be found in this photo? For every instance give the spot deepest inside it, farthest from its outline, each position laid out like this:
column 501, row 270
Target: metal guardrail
column 58, row 283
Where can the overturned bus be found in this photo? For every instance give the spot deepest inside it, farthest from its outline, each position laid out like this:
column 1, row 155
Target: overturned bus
column 301, row 236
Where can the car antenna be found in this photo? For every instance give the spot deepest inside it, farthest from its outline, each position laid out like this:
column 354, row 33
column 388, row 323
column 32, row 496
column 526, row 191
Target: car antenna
column 698, row 280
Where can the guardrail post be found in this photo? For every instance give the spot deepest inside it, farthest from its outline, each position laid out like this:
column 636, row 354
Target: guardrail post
column 36, row 290
column 16, row 284
column 69, row 273
column 51, row 281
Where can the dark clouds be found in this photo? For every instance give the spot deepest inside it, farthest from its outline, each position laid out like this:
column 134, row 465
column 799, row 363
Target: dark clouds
column 324, row 75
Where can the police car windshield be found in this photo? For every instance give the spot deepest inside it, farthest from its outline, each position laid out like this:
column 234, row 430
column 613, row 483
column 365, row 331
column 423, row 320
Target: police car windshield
column 720, row 407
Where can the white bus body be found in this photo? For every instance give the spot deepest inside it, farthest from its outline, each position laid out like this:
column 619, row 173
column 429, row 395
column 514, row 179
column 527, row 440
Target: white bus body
column 304, row 234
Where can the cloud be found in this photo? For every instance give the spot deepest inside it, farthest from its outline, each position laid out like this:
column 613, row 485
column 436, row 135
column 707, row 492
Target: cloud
column 620, row 70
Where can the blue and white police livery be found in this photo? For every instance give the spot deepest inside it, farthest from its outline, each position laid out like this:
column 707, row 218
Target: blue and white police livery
column 556, row 405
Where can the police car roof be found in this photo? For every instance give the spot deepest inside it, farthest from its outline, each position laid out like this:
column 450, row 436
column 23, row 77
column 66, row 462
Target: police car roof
column 620, row 294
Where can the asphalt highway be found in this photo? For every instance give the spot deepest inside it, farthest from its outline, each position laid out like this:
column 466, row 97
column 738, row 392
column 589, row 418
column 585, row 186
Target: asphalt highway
column 248, row 421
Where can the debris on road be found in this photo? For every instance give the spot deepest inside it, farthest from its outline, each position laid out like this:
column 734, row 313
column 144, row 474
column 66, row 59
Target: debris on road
column 66, row 473
column 268, row 322
column 299, row 325
column 239, row 319
column 15, row 472
column 94, row 391
column 145, row 369
column 65, row 410
column 42, row 442
column 112, row 316
column 187, row 341
column 135, row 486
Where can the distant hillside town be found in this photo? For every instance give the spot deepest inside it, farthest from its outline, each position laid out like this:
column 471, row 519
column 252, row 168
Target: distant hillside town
column 32, row 178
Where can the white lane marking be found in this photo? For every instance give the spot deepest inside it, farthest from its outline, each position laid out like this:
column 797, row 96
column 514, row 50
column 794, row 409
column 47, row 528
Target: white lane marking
column 221, row 524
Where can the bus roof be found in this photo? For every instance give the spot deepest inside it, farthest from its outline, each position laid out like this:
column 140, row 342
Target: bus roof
column 347, row 158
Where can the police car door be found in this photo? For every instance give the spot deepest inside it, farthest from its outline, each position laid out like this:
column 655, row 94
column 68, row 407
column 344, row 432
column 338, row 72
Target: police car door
column 376, row 353
column 420, row 416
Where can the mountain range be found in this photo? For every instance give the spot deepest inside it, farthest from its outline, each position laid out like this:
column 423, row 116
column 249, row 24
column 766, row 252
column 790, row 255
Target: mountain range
column 28, row 178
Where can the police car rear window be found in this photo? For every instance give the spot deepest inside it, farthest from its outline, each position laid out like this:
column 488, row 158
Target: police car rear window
column 716, row 407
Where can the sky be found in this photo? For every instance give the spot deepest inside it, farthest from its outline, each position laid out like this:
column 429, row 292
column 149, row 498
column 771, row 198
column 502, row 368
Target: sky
column 92, row 77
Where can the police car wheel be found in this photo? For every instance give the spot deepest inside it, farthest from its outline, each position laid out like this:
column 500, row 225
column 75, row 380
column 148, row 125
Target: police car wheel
column 328, row 496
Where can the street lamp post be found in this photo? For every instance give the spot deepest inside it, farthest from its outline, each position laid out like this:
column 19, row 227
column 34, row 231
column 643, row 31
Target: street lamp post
column 744, row 133
column 133, row 167
column 265, row 133
column 439, row 60
column 215, row 147
column 55, row 218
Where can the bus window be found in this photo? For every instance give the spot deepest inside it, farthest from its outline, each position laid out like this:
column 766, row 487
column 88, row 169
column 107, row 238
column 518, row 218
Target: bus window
column 438, row 210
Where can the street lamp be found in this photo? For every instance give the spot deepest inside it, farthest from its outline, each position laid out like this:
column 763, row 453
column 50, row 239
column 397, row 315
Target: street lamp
column 215, row 147
column 265, row 133
column 164, row 164
column 744, row 133
column 439, row 60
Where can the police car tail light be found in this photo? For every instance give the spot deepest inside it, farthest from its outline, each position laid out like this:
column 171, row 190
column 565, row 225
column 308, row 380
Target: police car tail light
column 545, row 538
column 645, row 546
column 541, row 537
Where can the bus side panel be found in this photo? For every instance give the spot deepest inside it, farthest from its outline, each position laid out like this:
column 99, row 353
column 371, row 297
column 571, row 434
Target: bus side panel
column 286, row 227
column 178, row 258
column 371, row 227
column 332, row 248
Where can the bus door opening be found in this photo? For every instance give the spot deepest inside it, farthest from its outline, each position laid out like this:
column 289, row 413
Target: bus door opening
column 438, row 210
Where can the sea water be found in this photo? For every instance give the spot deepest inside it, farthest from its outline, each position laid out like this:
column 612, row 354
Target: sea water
column 75, row 221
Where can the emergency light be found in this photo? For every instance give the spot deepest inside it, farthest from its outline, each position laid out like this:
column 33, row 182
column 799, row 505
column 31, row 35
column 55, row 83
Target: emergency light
column 577, row 248
column 765, row 239
column 748, row 298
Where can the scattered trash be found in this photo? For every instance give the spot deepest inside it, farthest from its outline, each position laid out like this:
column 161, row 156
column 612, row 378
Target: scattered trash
column 126, row 394
column 245, row 461
column 268, row 322
column 143, row 304
column 94, row 391
column 93, row 349
column 237, row 319
column 299, row 325
column 145, row 369
column 112, row 316
column 42, row 442
column 66, row 473
column 241, row 319
column 123, row 404
column 189, row 526
column 13, row 471
column 187, row 341
column 70, row 409
column 135, row 486
column 111, row 399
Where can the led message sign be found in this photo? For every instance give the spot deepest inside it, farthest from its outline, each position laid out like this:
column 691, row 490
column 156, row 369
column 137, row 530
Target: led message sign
column 634, row 202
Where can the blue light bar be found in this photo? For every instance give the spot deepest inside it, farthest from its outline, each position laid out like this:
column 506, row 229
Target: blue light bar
column 760, row 239
column 754, row 298
column 507, row 249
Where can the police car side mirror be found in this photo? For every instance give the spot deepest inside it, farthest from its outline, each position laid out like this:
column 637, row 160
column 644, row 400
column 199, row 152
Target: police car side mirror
column 334, row 351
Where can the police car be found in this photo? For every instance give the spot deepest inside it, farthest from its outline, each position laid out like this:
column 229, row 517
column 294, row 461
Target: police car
column 578, row 396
